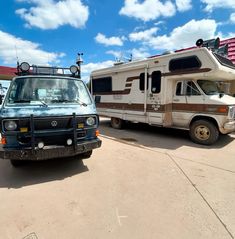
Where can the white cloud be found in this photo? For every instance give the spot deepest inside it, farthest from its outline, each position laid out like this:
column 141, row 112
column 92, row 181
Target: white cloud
column 183, row 36
column 112, row 41
column 147, row 10
column 10, row 46
column 183, row 5
column 139, row 53
column 52, row 14
column 143, row 35
column 116, row 54
column 232, row 18
column 212, row 4
column 88, row 68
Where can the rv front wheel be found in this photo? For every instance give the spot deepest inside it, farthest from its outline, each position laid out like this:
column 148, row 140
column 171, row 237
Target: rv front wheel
column 116, row 123
column 204, row 132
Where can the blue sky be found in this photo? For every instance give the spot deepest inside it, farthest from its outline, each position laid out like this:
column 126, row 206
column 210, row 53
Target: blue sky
column 52, row 32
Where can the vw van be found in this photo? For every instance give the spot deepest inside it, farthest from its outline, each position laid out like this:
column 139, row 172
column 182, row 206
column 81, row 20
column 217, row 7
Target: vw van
column 47, row 113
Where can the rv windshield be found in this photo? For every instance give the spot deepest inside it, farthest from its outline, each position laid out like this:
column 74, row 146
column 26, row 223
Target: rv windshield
column 209, row 87
column 43, row 91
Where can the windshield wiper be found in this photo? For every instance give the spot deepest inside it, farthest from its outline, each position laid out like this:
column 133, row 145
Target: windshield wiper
column 43, row 103
column 69, row 101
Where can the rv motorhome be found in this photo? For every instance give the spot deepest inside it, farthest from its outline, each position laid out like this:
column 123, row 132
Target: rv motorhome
column 178, row 90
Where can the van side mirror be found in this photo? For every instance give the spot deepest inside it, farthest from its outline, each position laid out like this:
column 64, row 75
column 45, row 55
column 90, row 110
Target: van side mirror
column 1, row 99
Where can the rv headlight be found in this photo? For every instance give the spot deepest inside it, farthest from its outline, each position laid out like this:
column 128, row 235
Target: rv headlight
column 231, row 112
column 10, row 125
column 90, row 121
column 24, row 66
column 73, row 69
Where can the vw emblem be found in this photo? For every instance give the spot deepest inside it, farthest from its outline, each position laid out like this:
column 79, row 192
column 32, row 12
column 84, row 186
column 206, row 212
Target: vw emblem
column 53, row 123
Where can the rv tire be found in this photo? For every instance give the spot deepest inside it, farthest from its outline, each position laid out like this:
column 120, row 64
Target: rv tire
column 116, row 123
column 204, row 132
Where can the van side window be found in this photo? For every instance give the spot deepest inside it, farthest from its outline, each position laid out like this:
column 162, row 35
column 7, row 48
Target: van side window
column 187, row 88
column 103, row 84
column 156, row 81
column 141, row 84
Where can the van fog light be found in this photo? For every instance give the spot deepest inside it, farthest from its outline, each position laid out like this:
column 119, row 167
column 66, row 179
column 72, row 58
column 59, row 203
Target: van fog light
column 69, row 141
column 40, row 145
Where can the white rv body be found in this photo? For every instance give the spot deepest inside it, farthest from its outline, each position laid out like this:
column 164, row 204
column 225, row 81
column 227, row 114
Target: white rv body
column 171, row 91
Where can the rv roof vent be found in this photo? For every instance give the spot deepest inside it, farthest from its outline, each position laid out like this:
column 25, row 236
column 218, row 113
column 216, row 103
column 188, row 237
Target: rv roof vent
column 118, row 63
column 167, row 52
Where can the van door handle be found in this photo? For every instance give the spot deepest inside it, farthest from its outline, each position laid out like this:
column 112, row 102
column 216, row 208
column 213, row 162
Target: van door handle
column 176, row 100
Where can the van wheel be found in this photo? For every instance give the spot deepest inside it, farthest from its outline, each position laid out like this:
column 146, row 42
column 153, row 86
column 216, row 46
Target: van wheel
column 17, row 163
column 86, row 155
column 204, row 132
column 116, row 123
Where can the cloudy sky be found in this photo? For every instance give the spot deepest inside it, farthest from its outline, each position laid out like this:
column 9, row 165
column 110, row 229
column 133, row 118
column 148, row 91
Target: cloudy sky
column 52, row 32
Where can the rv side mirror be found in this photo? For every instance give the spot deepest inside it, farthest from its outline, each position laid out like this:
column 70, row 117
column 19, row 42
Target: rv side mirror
column 97, row 98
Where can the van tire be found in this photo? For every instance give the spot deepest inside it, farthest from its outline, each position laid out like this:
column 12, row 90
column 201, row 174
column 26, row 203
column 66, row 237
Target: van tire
column 204, row 132
column 117, row 123
column 86, row 155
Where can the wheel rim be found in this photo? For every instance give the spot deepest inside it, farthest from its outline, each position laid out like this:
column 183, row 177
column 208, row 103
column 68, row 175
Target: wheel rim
column 116, row 122
column 202, row 132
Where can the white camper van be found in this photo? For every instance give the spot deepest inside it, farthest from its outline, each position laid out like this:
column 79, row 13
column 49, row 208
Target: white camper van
column 178, row 90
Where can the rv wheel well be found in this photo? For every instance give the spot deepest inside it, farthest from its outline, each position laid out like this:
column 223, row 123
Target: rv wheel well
column 200, row 117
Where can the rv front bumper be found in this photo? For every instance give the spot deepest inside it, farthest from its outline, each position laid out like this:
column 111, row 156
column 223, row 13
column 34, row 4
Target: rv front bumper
column 49, row 152
column 228, row 127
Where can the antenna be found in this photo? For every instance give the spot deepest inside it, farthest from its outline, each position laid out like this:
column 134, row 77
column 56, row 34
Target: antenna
column 17, row 58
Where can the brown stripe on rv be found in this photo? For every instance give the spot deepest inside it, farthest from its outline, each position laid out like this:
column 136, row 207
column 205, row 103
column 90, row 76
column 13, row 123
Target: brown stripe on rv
column 130, row 79
column 128, row 85
column 196, row 108
column 116, row 92
column 189, row 71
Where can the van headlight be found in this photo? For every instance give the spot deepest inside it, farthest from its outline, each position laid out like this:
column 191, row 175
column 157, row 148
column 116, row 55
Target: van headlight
column 90, row 121
column 231, row 112
column 10, row 125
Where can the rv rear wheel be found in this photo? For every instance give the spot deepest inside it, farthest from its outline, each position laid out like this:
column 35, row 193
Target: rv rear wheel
column 204, row 132
column 116, row 123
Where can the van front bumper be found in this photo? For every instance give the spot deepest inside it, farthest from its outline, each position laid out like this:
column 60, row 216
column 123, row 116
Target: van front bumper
column 49, row 152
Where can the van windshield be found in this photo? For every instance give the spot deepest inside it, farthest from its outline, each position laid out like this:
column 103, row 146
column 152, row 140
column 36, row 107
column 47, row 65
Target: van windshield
column 209, row 87
column 43, row 90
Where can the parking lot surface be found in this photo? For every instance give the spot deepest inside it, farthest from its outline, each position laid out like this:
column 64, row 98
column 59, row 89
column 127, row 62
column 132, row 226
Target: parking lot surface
column 144, row 182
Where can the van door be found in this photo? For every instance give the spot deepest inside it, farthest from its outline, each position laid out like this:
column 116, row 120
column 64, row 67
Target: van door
column 187, row 98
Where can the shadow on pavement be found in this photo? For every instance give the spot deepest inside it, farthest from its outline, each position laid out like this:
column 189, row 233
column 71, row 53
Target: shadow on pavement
column 156, row 137
column 35, row 172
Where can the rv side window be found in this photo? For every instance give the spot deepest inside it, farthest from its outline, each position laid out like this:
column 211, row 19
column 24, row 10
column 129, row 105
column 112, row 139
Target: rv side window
column 103, row 84
column 156, row 81
column 184, row 63
column 187, row 88
column 141, row 84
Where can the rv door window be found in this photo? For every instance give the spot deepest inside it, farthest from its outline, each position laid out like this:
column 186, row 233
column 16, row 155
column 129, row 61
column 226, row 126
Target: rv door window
column 156, row 81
